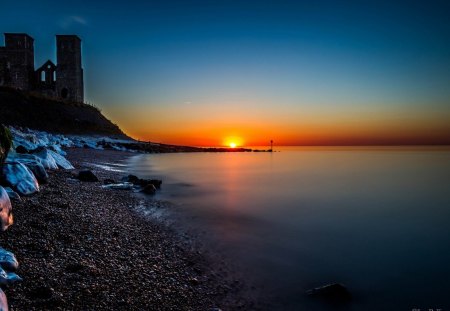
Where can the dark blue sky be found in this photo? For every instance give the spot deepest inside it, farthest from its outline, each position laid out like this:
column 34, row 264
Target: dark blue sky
column 306, row 57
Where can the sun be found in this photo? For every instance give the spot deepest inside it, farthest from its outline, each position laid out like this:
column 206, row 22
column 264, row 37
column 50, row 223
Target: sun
column 233, row 145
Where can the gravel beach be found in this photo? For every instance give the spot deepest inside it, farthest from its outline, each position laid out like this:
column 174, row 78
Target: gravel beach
column 83, row 247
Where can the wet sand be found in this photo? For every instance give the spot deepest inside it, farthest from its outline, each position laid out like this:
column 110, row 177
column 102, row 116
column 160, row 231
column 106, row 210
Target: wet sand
column 82, row 247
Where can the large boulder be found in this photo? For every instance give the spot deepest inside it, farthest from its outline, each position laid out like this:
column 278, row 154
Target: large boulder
column 46, row 158
column 8, row 261
column 61, row 161
column 20, row 178
column 12, row 194
column 5, row 143
column 6, row 218
column 32, row 162
column 7, row 278
column 39, row 172
column 3, row 302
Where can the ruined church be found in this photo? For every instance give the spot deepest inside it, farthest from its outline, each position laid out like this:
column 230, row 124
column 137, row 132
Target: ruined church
column 63, row 80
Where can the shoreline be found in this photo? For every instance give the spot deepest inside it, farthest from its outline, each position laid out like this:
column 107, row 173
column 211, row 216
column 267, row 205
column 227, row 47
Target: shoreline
column 84, row 247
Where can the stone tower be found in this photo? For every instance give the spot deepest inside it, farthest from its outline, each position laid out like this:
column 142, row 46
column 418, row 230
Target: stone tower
column 69, row 73
column 17, row 61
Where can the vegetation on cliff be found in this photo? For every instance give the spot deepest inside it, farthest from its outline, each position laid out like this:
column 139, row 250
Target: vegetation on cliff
column 18, row 108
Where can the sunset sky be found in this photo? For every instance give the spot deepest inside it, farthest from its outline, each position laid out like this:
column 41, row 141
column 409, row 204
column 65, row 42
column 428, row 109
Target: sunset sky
column 298, row 72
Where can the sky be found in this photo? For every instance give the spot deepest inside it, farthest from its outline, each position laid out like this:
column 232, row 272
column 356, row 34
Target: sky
column 209, row 73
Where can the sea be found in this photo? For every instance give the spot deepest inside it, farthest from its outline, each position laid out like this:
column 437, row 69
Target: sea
column 375, row 219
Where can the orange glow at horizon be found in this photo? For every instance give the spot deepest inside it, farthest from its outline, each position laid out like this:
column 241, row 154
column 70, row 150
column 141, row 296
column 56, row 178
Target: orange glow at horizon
column 211, row 127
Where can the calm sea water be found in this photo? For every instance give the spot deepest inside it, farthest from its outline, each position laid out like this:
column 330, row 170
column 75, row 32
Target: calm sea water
column 374, row 219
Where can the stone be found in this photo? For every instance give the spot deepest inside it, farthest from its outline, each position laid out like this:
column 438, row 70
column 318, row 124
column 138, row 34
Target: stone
column 8, row 261
column 108, row 181
column 87, row 175
column 61, row 161
column 39, row 172
column 12, row 194
column 3, row 301
column 47, row 160
column 6, row 217
column 334, row 292
column 133, row 179
column 155, row 182
column 20, row 178
column 149, row 189
column 7, row 278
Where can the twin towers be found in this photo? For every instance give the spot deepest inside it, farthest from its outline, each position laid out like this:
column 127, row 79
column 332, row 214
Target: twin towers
column 63, row 80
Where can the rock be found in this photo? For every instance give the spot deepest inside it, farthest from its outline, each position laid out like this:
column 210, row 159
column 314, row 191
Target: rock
column 131, row 178
column 8, row 261
column 108, row 181
column 334, row 292
column 87, row 175
column 21, row 149
column 20, row 178
column 61, row 161
column 5, row 143
column 6, row 218
column 47, row 160
column 155, row 182
column 3, row 301
column 12, row 194
column 39, row 172
column 7, row 278
column 149, row 189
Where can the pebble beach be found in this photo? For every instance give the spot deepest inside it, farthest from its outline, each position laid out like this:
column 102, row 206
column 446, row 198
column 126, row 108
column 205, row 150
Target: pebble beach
column 83, row 247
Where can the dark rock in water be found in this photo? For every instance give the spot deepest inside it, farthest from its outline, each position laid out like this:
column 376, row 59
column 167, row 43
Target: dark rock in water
column 87, row 175
column 108, row 181
column 334, row 292
column 6, row 218
column 133, row 179
column 149, row 189
column 155, row 182
column 39, row 172
column 20, row 178
column 3, row 301
column 5, row 142
column 21, row 149
column 8, row 261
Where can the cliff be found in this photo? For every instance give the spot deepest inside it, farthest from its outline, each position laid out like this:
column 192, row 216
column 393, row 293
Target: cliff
column 18, row 108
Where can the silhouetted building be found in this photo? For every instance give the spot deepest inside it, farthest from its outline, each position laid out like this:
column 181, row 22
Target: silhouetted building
column 63, row 81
